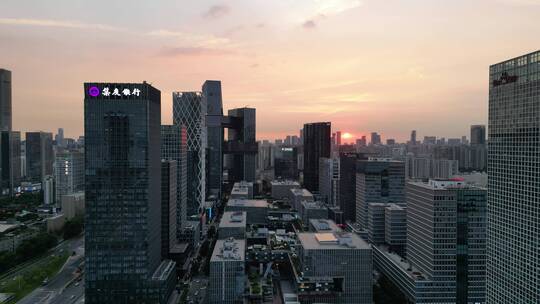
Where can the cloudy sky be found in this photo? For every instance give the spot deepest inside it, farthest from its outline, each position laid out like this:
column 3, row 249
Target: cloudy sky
column 366, row 65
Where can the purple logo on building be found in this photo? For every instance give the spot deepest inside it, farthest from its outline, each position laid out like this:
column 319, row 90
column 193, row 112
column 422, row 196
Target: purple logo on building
column 93, row 91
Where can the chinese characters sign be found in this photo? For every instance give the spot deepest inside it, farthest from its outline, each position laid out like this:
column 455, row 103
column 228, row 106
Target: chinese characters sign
column 113, row 91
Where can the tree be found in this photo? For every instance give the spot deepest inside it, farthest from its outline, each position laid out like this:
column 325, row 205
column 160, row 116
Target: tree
column 73, row 227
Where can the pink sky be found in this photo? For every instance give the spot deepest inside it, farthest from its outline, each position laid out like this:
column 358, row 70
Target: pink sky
column 386, row 66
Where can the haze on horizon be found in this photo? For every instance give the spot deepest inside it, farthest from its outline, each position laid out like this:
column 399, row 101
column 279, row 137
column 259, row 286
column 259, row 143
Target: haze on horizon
column 384, row 66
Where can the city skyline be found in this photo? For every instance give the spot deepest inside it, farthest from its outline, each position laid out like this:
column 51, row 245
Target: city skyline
column 387, row 68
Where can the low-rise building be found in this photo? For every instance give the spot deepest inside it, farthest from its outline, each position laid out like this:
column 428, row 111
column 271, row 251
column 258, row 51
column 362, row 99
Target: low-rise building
column 233, row 224
column 72, row 205
column 297, row 196
column 227, row 272
column 323, row 225
column 257, row 210
column 334, row 268
column 312, row 210
column 282, row 188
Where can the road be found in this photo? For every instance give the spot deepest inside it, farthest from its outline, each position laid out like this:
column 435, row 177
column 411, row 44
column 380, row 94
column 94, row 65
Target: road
column 58, row 290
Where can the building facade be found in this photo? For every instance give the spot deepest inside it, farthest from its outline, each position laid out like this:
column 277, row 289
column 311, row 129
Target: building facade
column 68, row 173
column 513, row 267
column 211, row 93
column 123, row 195
column 378, row 181
column 329, row 180
column 241, row 146
column 227, row 272
column 189, row 110
column 316, row 145
column 174, row 148
column 39, row 155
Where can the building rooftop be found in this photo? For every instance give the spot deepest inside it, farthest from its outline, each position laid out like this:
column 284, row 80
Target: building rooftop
column 313, row 205
column 243, row 184
column 285, row 183
column 332, row 240
column 231, row 219
column 444, row 184
column 323, row 225
column 240, row 190
column 301, row 191
column 229, row 250
column 247, row 203
column 393, row 206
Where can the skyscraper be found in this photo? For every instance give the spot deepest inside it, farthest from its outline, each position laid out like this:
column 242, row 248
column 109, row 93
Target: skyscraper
column 413, row 137
column 211, row 91
column 329, row 183
column 59, row 138
column 316, row 145
column 174, row 148
column 123, row 195
column 478, row 135
column 513, row 265
column 39, row 155
column 347, row 187
column 446, row 229
column 189, row 110
column 5, row 100
column 286, row 163
column 10, row 161
column 375, row 138
column 68, row 173
column 169, row 208
column 241, row 147
column 378, row 181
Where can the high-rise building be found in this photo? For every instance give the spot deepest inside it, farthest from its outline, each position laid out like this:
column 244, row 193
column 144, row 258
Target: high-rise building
column 169, row 209
column 5, row 100
column 59, row 138
column 39, row 155
column 478, row 135
column 189, row 110
column 47, row 186
column 68, row 173
column 338, row 138
column 123, row 195
column 413, row 137
column 316, row 145
column 445, row 245
column 211, row 92
column 286, row 163
column 378, row 181
column 227, row 276
column 347, row 187
column 340, row 261
column 241, row 146
column 446, row 238
column 375, row 138
column 513, row 266
column 329, row 182
column 10, row 161
column 174, row 148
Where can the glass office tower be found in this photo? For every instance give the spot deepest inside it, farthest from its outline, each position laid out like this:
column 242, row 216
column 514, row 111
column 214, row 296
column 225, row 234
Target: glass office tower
column 513, row 265
column 316, row 145
column 189, row 110
column 123, row 195
column 211, row 91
